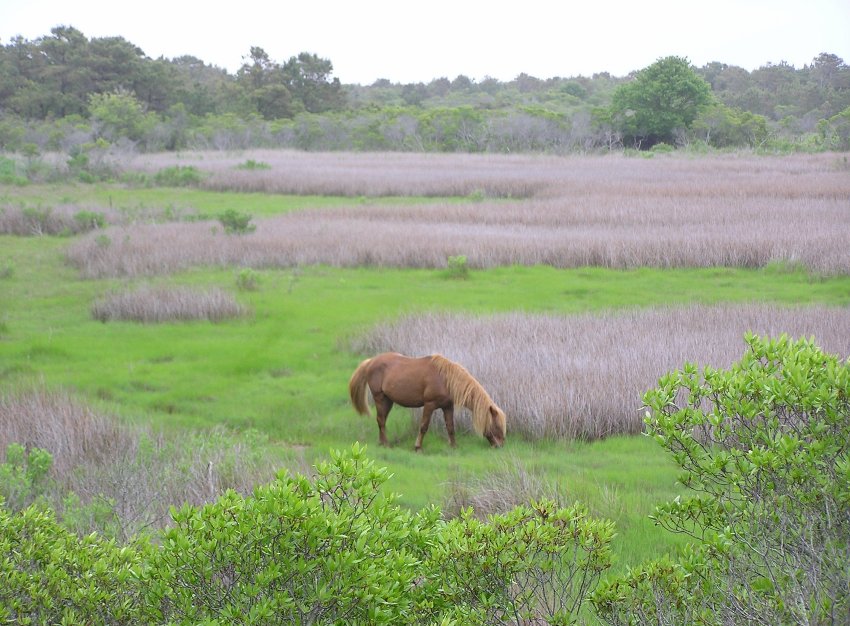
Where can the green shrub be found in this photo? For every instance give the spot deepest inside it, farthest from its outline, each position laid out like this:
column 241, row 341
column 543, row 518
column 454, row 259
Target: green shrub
column 247, row 279
column 236, row 223
column 764, row 446
column 533, row 565
column 178, row 176
column 48, row 575
column 251, row 164
column 332, row 551
column 9, row 173
column 89, row 220
column 24, row 476
column 458, row 267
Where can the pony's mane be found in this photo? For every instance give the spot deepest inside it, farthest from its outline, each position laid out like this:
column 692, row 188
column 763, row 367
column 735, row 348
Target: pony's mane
column 465, row 391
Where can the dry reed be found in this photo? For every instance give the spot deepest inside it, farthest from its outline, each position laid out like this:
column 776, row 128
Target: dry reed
column 501, row 490
column 153, row 304
column 583, row 376
column 140, row 472
column 610, row 212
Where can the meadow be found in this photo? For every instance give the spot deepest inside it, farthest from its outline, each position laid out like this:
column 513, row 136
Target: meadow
column 585, row 279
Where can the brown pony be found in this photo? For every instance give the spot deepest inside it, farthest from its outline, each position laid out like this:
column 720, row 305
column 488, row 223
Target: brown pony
column 431, row 382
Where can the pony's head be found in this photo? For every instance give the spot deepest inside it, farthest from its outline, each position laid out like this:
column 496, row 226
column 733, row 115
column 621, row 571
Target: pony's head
column 496, row 429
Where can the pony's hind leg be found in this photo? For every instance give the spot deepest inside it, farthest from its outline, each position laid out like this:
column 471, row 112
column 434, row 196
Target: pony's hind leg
column 424, row 422
column 449, row 416
column 383, row 405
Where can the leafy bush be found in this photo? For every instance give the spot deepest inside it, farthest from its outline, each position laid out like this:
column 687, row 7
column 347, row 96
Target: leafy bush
column 765, row 447
column 330, row 550
column 24, row 476
column 9, row 173
column 458, row 267
column 236, row 223
column 48, row 575
column 247, row 279
column 251, row 164
column 533, row 565
column 178, row 176
column 89, row 220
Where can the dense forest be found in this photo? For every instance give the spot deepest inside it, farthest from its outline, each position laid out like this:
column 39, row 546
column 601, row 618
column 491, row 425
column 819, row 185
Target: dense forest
column 66, row 92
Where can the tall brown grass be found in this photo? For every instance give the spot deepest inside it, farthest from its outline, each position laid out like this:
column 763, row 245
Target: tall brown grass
column 141, row 473
column 609, row 212
column 152, row 304
column 582, row 376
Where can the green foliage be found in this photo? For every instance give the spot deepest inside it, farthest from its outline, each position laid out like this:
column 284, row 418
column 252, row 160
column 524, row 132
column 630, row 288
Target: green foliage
column 89, row 220
column 458, row 267
column 723, row 126
column 178, row 176
column 24, row 476
column 332, row 550
column 296, row 552
column 535, row 564
column 119, row 114
column 236, row 222
column 764, row 446
column 9, row 172
column 48, row 575
column 247, row 279
column 663, row 98
column 835, row 131
column 251, row 164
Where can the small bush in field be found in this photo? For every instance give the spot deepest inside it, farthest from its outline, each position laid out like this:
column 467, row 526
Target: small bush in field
column 24, row 476
column 458, row 267
column 9, row 173
column 178, row 176
column 236, row 223
column 247, row 279
column 251, row 164
column 764, row 448
column 7, row 270
column 89, row 220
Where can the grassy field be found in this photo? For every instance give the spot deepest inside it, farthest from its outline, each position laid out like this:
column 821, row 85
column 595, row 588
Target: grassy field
column 283, row 368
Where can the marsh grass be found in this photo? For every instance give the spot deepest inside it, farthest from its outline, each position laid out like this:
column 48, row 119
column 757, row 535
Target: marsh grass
column 582, row 376
column 608, row 212
column 135, row 471
column 155, row 304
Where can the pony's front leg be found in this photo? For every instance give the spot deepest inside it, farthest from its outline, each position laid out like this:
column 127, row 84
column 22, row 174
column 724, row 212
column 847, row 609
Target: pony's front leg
column 449, row 416
column 423, row 424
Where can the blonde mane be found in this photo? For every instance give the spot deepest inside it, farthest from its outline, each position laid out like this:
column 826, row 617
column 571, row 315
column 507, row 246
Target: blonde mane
column 467, row 392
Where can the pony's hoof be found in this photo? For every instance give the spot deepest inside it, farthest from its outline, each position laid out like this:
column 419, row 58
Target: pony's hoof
column 418, row 449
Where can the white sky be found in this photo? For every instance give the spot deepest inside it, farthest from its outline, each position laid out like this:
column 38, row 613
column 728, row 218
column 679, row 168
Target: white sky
column 419, row 41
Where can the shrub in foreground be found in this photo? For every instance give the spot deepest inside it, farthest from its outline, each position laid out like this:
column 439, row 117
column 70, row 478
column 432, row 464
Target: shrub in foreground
column 49, row 575
column 334, row 550
column 764, row 447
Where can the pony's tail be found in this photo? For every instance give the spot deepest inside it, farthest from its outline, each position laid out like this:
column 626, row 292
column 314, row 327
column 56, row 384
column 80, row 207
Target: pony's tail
column 357, row 388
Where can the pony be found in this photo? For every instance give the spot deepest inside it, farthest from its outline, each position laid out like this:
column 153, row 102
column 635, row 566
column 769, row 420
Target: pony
column 431, row 382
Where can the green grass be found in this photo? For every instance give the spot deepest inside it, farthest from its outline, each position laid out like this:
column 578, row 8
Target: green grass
column 284, row 369
column 177, row 200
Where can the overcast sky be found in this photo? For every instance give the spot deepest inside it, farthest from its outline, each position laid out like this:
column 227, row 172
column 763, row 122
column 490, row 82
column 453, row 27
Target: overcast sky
column 419, row 41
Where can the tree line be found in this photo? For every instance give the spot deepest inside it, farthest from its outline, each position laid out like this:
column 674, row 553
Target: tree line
column 63, row 90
